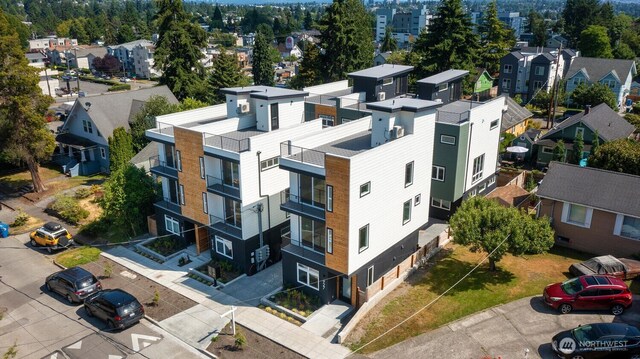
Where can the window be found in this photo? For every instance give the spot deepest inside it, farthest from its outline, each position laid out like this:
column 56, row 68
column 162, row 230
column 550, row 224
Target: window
column 478, row 166
column 437, row 173
column 387, row 81
column 547, row 150
column 627, row 226
column 447, row 140
column 205, row 203
column 230, row 174
column 406, row 212
column 103, row 153
column 312, row 191
column 365, row 189
column 580, row 130
column 610, row 83
column 492, row 180
column 441, row 203
column 369, row 276
column 202, row 173
column 539, row 70
column 179, row 160
column 537, row 85
column 482, row 187
column 308, row 276
column 327, row 120
column 233, row 212
column 417, row 199
column 577, row 215
column 506, row 84
column 329, row 240
column 87, row 126
column 329, row 198
column 408, row 174
column 182, row 195
column 473, row 192
column 224, row 247
column 171, row 225
column 269, row 163
column 578, row 80
column 312, row 234
column 494, row 124
column 508, row 69
column 363, row 238
column 443, row 87
column 98, row 132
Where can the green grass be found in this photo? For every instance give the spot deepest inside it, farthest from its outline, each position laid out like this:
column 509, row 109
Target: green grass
column 78, row 256
column 19, row 179
column 516, row 277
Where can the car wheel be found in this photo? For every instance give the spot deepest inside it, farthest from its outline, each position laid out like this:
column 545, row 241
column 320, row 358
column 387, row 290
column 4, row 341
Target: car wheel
column 88, row 311
column 69, row 299
column 617, row 309
column 46, row 285
column 49, row 250
column 33, row 243
column 577, row 357
column 111, row 324
column 565, row 308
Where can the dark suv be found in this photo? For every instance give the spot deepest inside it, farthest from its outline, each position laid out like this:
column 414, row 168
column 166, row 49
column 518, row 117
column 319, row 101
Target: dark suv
column 589, row 292
column 116, row 307
column 75, row 284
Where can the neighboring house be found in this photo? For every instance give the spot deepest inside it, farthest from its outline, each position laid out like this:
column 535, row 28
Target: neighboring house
column 634, row 92
column 83, row 148
column 527, row 140
column 286, row 52
column 615, row 73
column 608, row 124
column 82, row 57
column 381, row 58
column 221, row 184
column 142, row 55
column 510, row 196
column 515, row 118
column 557, row 41
column 592, row 210
column 124, row 53
column 358, row 197
column 51, row 43
column 48, row 81
column 141, row 159
column 482, row 85
column 445, row 86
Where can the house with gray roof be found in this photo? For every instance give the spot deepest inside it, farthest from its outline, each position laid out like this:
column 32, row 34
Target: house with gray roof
column 615, row 73
column 515, row 117
column 445, row 86
column 83, row 147
column 601, row 120
column 592, row 210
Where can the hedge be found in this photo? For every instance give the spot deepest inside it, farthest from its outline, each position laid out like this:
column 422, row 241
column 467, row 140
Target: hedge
column 119, row 87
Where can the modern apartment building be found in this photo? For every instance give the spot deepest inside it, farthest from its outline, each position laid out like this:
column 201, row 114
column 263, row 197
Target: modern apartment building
column 220, row 177
column 404, row 25
column 356, row 197
column 124, row 53
column 142, row 55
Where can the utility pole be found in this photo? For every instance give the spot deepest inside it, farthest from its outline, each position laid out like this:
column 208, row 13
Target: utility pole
column 554, row 95
column 75, row 54
column 46, row 76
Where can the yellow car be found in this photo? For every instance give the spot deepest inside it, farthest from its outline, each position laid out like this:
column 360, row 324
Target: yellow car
column 52, row 236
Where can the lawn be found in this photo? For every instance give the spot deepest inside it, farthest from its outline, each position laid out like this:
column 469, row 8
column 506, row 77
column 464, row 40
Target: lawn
column 78, row 256
column 18, row 179
column 516, row 277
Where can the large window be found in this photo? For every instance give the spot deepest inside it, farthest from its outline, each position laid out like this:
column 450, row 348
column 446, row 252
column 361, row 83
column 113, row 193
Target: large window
column 629, row 227
column 577, row 215
column 539, row 70
column 506, row 84
column 408, row 174
column 327, row 120
column 580, row 130
column 224, row 247
column 406, row 212
column 233, row 212
column 508, row 69
column 171, row 225
column 441, row 203
column 312, row 234
column 230, row 174
column 478, row 166
column 447, row 140
column 363, row 240
column 87, row 126
column 308, row 276
column 312, row 191
column 437, row 173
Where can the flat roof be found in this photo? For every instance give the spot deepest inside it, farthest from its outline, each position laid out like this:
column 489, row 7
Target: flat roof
column 403, row 104
column 454, row 112
column 444, row 76
column 382, row 71
column 243, row 133
column 264, row 92
column 348, row 146
column 329, row 97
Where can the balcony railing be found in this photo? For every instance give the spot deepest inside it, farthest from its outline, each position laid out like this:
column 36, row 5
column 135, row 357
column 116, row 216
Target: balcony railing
column 162, row 168
column 216, row 185
column 163, row 128
column 226, row 143
column 302, row 206
column 221, row 225
column 300, row 154
column 169, row 204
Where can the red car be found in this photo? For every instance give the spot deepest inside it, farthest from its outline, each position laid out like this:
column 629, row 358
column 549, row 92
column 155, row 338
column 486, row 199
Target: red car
column 589, row 292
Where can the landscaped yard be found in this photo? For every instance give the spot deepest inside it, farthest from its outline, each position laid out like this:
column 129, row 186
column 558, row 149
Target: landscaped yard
column 78, row 256
column 16, row 180
column 516, row 277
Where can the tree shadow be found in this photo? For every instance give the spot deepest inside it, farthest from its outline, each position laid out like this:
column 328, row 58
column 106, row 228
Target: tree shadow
column 449, row 270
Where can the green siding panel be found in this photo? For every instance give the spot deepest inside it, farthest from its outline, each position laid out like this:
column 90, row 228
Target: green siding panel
column 453, row 158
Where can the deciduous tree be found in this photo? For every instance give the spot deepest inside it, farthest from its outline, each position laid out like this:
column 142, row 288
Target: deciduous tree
column 593, row 95
column 620, row 156
column 594, row 42
column 578, row 15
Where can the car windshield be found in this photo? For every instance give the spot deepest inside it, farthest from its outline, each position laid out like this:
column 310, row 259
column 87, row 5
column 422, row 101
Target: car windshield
column 584, row 333
column 86, row 282
column 572, row 286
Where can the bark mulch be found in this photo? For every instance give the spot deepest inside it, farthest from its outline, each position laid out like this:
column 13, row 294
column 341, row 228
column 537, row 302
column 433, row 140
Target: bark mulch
column 256, row 346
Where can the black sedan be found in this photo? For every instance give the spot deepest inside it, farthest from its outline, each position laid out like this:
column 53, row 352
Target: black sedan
column 598, row 340
column 116, row 307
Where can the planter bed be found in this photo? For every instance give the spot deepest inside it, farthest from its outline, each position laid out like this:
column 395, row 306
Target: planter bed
column 227, row 272
column 161, row 249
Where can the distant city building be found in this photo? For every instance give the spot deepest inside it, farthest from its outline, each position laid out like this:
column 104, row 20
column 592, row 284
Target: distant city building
column 124, row 53
column 51, row 43
column 47, row 83
column 405, row 26
column 143, row 61
column 512, row 19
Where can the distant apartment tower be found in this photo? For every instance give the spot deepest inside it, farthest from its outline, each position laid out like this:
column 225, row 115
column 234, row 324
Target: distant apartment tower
column 404, row 25
column 51, row 43
column 514, row 21
column 124, row 53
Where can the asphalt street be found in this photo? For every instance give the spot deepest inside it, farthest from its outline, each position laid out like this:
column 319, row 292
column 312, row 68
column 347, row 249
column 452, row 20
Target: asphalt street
column 44, row 325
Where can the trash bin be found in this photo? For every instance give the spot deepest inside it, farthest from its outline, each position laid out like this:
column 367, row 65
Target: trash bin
column 4, row 230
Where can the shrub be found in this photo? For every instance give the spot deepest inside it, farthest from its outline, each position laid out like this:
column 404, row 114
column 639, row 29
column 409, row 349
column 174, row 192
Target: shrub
column 21, row 219
column 98, row 227
column 83, row 193
column 241, row 340
column 119, row 87
column 156, row 298
column 11, row 352
column 108, row 270
column 68, row 208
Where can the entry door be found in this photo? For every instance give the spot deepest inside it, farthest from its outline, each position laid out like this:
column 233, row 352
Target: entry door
column 345, row 289
column 275, row 121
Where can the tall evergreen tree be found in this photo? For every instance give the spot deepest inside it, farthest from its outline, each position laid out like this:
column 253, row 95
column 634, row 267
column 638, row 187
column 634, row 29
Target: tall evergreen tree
column 216, row 20
column 346, row 39
column 23, row 130
column 578, row 147
column 389, row 43
column 578, row 15
column 309, row 71
column 559, row 152
column 225, row 72
column 495, row 39
column 120, row 149
column 308, row 21
column 537, row 27
column 177, row 52
column 449, row 43
column 263, row 73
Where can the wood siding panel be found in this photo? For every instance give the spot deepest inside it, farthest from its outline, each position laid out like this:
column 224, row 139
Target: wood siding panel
column 326, row 110
column 189, row 143
column 337, row 175
column 598, row 239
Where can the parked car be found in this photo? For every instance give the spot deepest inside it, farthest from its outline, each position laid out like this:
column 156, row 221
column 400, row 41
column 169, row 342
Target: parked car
column 599, row 340
column 622, row 268
column 75, row 284
column 589, row 292
column 125, row 80
column 52, row 236
column 116, row 307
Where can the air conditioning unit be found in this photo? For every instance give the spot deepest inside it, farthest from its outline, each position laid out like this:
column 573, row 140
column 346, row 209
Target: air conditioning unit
column 243, row 108
column 397, row 132
column 381, row 96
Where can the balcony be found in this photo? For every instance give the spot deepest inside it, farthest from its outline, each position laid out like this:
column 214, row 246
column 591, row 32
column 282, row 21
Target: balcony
column 163, row 132
column 169, row 205
column 299, row 206
column 302, row 155
column 219, row 224
column 216, row 185
column 303, row 252
column 162, row 168
column 226, row 143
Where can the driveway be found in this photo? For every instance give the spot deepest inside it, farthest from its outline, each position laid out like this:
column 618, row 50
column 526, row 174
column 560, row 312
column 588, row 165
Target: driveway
column 511, row 330
column 41, row 324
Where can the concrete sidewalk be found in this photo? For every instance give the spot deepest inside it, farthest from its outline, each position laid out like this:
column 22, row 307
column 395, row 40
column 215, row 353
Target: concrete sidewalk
column 214, row 302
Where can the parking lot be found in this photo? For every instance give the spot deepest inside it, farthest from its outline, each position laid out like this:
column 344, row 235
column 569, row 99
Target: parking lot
column 92, row 88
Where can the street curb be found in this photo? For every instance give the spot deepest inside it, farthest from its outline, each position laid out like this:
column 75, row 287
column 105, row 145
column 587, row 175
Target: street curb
column 58, row 264
column 157, row 324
